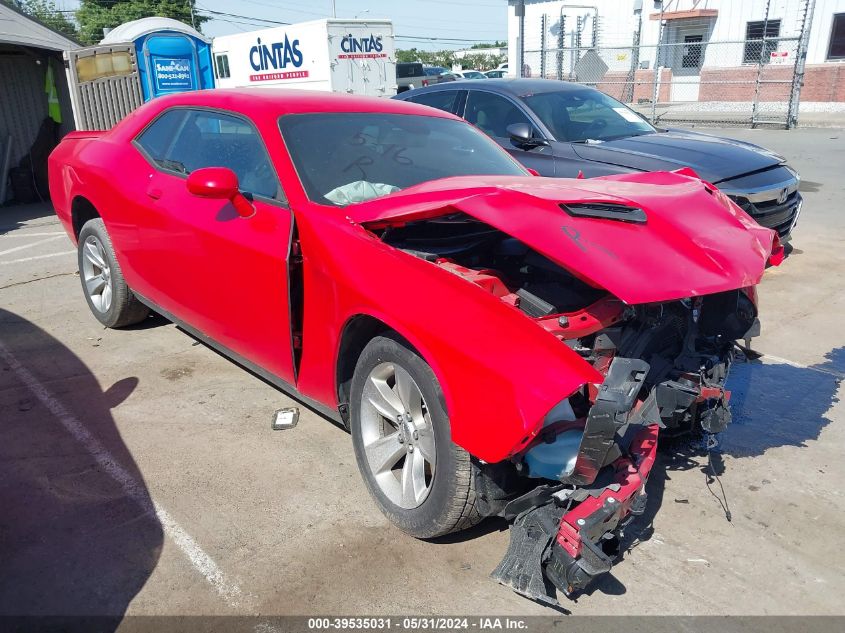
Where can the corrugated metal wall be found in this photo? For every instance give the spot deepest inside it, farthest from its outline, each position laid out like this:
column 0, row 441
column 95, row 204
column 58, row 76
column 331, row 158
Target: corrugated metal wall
column 23, row 105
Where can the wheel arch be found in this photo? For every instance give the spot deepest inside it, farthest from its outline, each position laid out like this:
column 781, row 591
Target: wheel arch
column 81, row 211
column 357, row 332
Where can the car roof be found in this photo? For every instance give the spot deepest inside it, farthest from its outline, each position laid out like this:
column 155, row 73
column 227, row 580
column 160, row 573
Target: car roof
column 277, row 101
column 517, row 87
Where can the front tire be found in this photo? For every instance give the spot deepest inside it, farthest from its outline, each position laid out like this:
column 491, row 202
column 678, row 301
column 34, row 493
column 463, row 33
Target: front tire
column 109, row 298
column 420, row 479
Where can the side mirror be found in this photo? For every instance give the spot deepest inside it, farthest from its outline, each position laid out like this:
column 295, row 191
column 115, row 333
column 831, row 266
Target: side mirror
column 219, row 183
column 523, row 136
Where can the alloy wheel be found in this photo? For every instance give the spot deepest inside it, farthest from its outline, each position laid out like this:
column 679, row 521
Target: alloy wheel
column 398, row 435
column 97, row 274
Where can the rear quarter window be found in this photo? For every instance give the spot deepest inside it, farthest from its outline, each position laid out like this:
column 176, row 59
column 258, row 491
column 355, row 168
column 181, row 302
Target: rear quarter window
column 159, row 136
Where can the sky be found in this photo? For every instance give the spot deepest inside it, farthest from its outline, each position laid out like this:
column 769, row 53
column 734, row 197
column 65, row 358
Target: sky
column 413, row 20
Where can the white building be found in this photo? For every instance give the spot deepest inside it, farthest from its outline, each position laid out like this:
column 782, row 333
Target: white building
column 707, row 46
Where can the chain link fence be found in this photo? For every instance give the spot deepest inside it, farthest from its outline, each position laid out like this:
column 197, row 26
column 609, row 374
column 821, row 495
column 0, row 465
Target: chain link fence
column 688, row 78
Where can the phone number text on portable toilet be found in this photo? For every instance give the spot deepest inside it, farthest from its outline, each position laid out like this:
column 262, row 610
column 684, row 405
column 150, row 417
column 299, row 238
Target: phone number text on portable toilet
column 172, row 74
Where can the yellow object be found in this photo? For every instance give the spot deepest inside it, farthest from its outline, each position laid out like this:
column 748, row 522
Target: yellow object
column 53, row 109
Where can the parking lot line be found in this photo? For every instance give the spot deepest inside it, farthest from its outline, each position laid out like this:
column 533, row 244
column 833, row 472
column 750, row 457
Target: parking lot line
column 29, row 259
column 23, row 247
column 15, row 234
column 199, row 559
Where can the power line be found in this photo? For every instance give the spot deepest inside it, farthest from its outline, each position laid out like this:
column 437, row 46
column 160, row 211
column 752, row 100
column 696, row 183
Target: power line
column 244, row 17
column 416, row 37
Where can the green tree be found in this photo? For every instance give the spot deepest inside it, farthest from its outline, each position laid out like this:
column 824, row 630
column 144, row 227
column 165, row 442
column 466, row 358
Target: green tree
column 430, row 58
column 95, row 15
column 495, row 44
column 481, row 61
column 45, row 11
column 477, row 61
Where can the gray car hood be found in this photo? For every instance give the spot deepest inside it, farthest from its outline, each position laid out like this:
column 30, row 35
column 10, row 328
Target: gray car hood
column 713, row 159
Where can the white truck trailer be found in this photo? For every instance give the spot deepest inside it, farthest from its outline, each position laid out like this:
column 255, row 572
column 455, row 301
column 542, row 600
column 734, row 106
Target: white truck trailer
column 351, row 56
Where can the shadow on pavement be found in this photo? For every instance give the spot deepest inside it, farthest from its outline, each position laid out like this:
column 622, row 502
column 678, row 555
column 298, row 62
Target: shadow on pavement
column 780, row 405
column 15, row 216
column 73, row 541
column 773, row 405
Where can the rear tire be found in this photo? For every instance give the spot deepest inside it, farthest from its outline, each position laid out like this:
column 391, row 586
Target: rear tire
column 109, row 298
column 413, row 444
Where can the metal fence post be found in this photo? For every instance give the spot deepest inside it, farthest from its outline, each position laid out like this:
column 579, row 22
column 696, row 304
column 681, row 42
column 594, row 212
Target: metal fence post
column 635, row 58
column 800, row 62
column 519, row 9
column 763, row 48
column 543, row 46
column 655, row 89
column 561, row 42
column 576, row 47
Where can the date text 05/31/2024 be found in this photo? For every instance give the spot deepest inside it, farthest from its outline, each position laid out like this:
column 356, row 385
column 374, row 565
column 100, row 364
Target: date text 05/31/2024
column 417, row 623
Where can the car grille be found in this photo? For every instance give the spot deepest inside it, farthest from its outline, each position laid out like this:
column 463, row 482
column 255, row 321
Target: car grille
column 772, row 214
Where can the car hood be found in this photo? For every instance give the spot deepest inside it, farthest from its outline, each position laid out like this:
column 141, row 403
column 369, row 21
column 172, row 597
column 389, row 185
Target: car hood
column 694, row 241
column 713, row 159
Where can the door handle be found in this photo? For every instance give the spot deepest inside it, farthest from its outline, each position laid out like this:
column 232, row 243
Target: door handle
column 154, row 193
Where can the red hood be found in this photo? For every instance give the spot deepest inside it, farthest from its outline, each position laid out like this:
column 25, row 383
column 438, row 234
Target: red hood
column 694, row 241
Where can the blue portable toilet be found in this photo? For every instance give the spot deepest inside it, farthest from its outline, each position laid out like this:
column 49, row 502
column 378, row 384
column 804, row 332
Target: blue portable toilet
column 171, row 56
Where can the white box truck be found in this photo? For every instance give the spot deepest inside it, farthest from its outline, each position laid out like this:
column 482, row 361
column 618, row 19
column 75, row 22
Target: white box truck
column 352, row 56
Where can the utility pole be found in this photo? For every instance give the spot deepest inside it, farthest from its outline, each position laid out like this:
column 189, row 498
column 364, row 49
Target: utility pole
column 655, row 95
column 519, row 9
column 334, row 8
column 191, row 6
column 628, row 94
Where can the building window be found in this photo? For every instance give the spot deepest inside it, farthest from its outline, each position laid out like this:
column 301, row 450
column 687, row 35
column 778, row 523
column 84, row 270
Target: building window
column 222, row 66
column 836, row 50
column 755, row 47
column 692, row 52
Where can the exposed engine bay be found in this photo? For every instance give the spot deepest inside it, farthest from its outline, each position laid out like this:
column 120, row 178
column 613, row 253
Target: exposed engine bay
column 581, row 479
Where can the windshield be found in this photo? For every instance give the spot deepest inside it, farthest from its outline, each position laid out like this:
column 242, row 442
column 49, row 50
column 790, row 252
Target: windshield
column 343, row 158
column 582, row 115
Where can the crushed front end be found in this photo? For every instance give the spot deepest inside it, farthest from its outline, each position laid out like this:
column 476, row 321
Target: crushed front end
column 649, row 295
column 665, row 367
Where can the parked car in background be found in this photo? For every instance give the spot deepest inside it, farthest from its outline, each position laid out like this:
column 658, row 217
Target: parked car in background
column 410, row 75
column 469, row 74
column 496, row 74
column 562, row 129
column 550, row 317
column 438, row 74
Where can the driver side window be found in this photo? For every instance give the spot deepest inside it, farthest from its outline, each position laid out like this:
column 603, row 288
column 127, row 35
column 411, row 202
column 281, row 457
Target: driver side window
column 492, row 114
column 183, row 140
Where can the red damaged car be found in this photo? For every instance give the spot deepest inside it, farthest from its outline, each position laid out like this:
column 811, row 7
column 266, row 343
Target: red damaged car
column 496, row 343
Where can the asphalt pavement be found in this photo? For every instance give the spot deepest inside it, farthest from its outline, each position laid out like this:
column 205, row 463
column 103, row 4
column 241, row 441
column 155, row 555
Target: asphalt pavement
column 139, row 473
